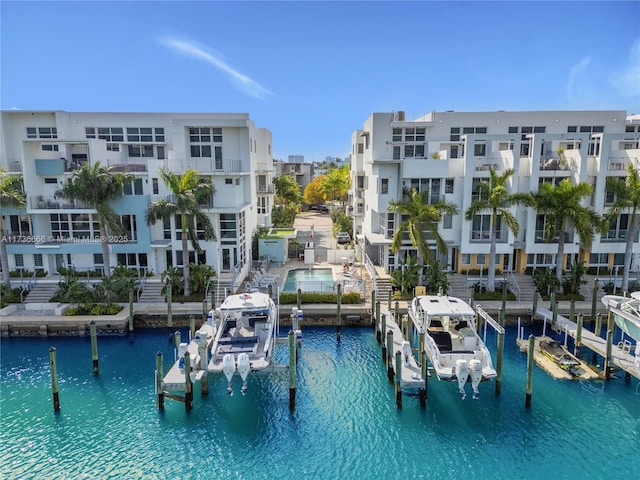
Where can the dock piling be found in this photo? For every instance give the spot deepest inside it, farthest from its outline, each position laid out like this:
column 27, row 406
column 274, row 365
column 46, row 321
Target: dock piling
column 292, row 370
column 188, row 386
column 373, row 306
column 159, row 373
column 339, row 298
column 425, row 376
column 168, row 296
column 299, row 299
column 131, row 310
column 578, row 339
column 377, row 321
column 530, row 353
column 388, row 361
column 389, row 298
column 383, row 331
column 54, row 379
column 177, row 340
column 499, row 363
column 572, row 310
column 554, row 316
column 594, row 300
column 398, row 379
column 94, row 347
column 192, row 327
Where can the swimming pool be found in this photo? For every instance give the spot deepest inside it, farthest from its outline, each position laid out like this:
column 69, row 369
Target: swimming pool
column 309, row 280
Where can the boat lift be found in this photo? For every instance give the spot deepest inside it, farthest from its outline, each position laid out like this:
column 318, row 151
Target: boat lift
column 191, row 360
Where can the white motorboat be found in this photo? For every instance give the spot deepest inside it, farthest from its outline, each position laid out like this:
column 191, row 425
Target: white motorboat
column 246, row 325
column 626, row 313
column 455, row 350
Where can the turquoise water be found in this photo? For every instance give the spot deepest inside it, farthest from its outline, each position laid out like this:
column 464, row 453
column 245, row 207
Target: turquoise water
column 345, row 425
column 309, row 280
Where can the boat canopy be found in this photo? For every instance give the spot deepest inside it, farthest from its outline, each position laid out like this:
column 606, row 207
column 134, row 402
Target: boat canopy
column 437, row 305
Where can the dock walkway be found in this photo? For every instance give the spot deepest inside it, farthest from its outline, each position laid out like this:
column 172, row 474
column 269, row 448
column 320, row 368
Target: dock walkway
column 620, row 358
column 411, row 371
column 552, row 368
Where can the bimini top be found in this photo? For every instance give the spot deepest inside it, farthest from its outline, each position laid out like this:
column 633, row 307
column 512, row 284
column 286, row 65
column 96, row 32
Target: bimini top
column 438, row 305
column 256, row 302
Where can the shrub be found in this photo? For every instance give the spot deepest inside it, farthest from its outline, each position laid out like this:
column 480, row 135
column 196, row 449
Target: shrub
column 291, row 298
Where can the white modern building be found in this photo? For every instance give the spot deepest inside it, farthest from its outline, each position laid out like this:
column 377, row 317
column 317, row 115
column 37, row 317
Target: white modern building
column 447, row 153
column 301, row 171
column 46, row 146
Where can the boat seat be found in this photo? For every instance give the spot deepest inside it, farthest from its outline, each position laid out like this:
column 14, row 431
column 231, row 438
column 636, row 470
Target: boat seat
column 237, row 340
column 443, row 340
column 253, row 320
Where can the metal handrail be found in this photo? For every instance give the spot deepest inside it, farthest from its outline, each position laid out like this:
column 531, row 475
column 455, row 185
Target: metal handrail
column 368, row 264
column 141, row 285
column 515, row 282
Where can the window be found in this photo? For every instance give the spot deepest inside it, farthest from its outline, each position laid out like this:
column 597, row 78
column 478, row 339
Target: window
column 166, row 225
column 133, row 188
column 19, row 259
column 75, row 225
column 113, row 147
column 480, row 258
column 465, row 259
column 618, row 228
column 455, row 151
column 37, row 260
column 138, row 134
column 141, row 151
column 20, row 225
column 154, row 186
column 481, row 228
column 110, row 134
column 447, row 221
column 454, row 135
column 480, row 149
column 47, row 147
column 133, row 261
column 396, row 135
column 360, row 148
column 384, row 186
column 218, row 157
column 160, row 152
column 396, row 153
column 42, row 132
column 200, row 151
column 448, row 185
column 50, row 180
column 228, row 181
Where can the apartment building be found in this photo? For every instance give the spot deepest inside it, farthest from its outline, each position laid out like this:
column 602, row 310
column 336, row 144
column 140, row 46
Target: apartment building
column 301, row 171
column 46, row 146
column 448, row 153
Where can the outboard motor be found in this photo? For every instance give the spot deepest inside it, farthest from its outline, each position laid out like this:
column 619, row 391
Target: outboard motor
column 229, row 368
column 475, row 372
column 462, row 373
column 244, row 367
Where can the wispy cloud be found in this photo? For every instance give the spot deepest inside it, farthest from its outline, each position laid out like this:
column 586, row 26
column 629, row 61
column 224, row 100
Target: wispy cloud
column 576, row 86
column 241, row 81
column 627, row 79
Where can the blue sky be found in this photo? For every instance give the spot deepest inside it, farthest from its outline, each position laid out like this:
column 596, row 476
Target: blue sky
column 312, row 72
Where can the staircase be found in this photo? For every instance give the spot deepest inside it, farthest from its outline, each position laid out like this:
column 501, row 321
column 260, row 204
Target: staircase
column 458, row 285
column 383, row 288
column 152, row 293
column 41, row 293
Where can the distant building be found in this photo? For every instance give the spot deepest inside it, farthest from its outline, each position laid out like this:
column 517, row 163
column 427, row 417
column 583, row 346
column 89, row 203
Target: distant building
column 448, row 153
column 301, row 171
column 46, row 146
column 295, row 158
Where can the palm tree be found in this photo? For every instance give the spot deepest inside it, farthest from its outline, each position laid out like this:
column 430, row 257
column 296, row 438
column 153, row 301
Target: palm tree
column 98, row 187
column 562, row 207
column 421, row 217
column 189, row 193
column 494, row 197
column 627, row 198
column 11, row 195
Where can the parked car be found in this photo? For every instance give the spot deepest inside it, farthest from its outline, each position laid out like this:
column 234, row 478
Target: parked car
column 342, row 238
column 319, row 208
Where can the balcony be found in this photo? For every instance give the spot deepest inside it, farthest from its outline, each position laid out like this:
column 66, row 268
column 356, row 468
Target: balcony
column 266, row 188
column 557, row 163
column 618, row 236
column 485, row 236
column 619, row 164
column 540, row 237
column 483, row 164
column 211, row 165
column 128, row 166
column 50, row 203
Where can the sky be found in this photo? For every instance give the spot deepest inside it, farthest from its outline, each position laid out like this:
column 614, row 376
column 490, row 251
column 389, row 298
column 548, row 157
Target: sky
column 312, row 72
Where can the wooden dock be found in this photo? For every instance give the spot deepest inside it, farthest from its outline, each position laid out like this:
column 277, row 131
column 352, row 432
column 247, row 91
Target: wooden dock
column 411, row 371
column 620, row 357
column 552, row 368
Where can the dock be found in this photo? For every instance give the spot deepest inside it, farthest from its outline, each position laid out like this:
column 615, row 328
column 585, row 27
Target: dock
column 552, row 368
column 620, row 356
column 411, row 371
